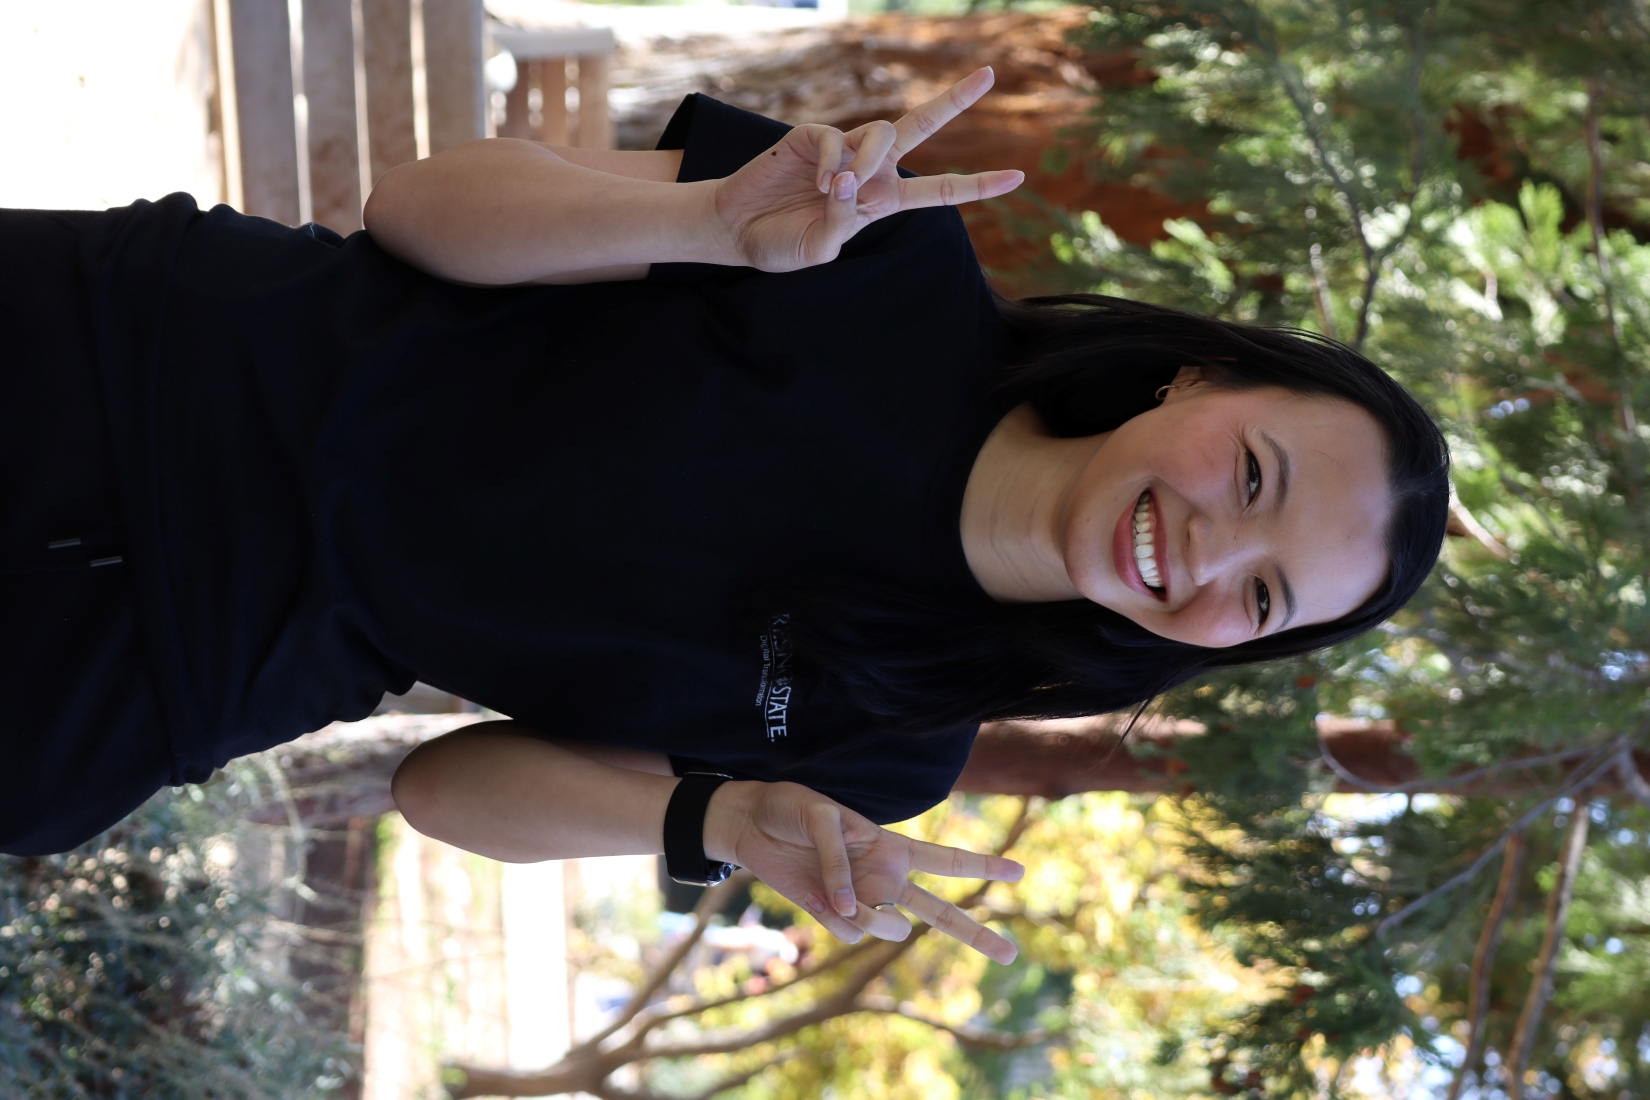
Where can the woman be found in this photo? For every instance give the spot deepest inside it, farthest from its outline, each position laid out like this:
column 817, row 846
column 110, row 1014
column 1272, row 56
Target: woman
column 718, row 459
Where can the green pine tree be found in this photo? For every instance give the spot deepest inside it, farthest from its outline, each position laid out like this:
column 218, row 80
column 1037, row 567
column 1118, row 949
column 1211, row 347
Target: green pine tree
column 1461, row 190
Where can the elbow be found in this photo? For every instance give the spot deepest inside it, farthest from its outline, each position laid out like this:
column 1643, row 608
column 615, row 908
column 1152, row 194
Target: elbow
column 382, row 214
column 415, row 790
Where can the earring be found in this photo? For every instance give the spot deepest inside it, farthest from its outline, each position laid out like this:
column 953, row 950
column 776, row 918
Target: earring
column 1163, row 391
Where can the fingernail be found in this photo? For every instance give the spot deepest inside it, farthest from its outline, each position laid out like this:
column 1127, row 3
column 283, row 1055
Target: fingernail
column 845, row 903
column 825, row 182
column 815, row 903
column 846, row 185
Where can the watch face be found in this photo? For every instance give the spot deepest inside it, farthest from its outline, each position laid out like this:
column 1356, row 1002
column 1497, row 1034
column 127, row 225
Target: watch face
column 712, row 874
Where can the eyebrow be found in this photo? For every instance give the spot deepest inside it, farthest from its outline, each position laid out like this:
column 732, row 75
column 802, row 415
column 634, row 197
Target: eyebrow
column 1277, row 506
column 1288, row 599
column 1283, row 470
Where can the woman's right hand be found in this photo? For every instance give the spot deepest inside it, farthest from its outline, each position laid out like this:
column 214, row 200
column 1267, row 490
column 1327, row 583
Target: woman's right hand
column 797, row 204
column 840, row 865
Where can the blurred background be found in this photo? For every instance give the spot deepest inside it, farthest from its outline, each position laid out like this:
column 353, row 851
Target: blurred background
column 1413, row 866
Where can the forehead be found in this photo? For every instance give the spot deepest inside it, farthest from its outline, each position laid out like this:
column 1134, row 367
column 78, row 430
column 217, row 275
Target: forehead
column 1333, row 424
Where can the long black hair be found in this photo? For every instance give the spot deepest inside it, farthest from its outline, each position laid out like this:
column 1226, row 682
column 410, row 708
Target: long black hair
column 1087, row 363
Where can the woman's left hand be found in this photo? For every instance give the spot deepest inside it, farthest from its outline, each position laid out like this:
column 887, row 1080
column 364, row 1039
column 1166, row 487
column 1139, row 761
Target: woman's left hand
column 797, row 204
column 845, row 869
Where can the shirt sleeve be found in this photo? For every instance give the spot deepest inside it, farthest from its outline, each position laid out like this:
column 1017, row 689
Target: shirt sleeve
column 717, row 139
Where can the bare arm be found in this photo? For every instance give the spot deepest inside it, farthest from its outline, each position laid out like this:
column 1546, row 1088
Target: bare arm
column 502, row 791
column 502, row 211
column 508, row 212
column 658, row 165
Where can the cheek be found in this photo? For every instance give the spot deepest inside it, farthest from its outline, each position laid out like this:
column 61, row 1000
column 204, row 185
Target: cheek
column 1189, row 453
column 1212, row 620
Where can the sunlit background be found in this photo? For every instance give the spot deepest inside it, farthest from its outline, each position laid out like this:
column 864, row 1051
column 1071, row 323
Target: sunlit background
column 1413, row 866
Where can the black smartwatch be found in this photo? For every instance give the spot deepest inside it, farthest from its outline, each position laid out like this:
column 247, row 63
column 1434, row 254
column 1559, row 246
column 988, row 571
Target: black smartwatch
column 685, row 831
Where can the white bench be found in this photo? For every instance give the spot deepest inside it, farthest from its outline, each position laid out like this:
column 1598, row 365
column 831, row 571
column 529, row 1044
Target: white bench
column 547, row 62
column 314, row 110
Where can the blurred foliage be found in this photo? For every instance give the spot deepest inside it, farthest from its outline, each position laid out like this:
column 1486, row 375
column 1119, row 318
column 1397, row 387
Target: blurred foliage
column 1113, row 966
column 135, row 966
column 1462, row 190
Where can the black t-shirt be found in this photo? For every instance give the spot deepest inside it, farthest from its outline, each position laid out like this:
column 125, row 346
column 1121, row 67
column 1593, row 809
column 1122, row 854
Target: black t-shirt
column 555, row 501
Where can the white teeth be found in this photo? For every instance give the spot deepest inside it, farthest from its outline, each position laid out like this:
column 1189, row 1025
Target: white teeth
column 1144, row 549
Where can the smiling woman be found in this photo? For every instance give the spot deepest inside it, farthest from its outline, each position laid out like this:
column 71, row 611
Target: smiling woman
column 755, row 501
column 1187, row 518
column 1168, row 494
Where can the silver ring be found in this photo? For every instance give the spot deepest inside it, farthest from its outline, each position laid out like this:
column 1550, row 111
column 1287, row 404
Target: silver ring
column 883, row 906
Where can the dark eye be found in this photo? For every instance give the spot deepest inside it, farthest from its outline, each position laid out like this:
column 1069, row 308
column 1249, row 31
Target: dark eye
column 1251, row 478
column 1263, row 601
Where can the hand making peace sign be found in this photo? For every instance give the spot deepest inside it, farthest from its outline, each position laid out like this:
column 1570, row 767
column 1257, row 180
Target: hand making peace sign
column 798, row 203
column 845, row 869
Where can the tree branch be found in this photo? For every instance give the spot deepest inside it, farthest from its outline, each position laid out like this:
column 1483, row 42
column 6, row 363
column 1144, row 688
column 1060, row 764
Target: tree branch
column 1320, row 292
column 1418, row 137
column 1541, row 983
column 839, row 1003
column 836, row 959
column 587, row 1067
column 1465, row 779
column 1460, row 517
column 1521, row 492
column 982, row 1038
column 738, row 1079
column 1583, row 778
column 710, row 902
column 1627, row 770
column 1601, row 254
column 1067, row 921
column 1302, row 101
column 295, row 823
column 843, row 1000
column 567, row 1075
column 1478, row 998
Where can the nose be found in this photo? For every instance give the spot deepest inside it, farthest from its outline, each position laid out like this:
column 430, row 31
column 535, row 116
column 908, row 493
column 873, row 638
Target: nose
column 1213, row 548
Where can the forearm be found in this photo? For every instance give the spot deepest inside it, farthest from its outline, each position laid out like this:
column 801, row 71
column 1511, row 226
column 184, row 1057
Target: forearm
column 502, row 212
column 503, row 792
column 500, row 791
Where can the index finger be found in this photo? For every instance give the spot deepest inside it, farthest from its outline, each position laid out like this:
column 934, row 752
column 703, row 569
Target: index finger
column 947, row 918
column 951, row 189
column 937, row 859
column 924, row 120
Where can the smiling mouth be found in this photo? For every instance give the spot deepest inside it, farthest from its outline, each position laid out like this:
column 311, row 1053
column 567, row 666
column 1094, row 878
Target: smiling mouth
column 1145, row 547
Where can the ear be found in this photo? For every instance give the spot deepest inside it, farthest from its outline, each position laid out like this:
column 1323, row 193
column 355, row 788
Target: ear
column 1185, row 379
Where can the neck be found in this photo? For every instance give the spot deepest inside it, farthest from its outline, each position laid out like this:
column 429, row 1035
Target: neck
column 1014, row 509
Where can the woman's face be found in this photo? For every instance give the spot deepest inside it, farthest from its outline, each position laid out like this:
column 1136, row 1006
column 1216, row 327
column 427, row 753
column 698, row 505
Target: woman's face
column 1225, row 515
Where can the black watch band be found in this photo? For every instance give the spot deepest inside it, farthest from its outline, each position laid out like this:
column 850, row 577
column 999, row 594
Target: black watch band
column 685, row 831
